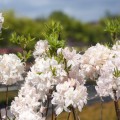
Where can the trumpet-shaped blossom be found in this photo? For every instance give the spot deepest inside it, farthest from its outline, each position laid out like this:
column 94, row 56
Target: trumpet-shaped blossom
column 72, row 59
column 1, row 20
column 69, row 93
column 70, row 54
column 47, row 70
column 27, row 102
column 115, row 49
column 93, row 59
column 43, row 75
column 108, row 81
column 11, row 69
column 41, row 48
column 30, row 115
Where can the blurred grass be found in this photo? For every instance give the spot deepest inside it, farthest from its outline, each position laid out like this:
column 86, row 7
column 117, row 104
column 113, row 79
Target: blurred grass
column 93, row 112
column 11, row 95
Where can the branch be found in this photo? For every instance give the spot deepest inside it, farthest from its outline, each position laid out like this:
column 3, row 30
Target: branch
column 116, row 105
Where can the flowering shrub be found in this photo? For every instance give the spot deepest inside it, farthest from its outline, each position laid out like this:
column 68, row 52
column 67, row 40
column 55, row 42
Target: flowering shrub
column 69, row 93
column 58, row 75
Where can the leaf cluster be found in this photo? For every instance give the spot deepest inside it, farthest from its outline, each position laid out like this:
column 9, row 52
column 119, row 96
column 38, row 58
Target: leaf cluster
column 52, row 33
column 113, row 28
column 24, row 43
column 116, row 72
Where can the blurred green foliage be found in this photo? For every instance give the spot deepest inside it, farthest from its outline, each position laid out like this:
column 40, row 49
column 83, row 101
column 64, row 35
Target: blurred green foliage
column 74, row 31
column 22, row 26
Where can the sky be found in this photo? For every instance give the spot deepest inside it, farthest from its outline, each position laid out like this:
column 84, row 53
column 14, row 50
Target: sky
column 84, row 10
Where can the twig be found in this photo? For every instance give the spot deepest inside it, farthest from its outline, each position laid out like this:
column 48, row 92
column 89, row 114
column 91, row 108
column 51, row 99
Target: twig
column 52, row 113
column 55, row 117
column 116, row 105
column 74, row 115
column 47, row 107
column 0, row 115
column 101, row 108
column 78, row 117
column 6, row 102
column 68, row 116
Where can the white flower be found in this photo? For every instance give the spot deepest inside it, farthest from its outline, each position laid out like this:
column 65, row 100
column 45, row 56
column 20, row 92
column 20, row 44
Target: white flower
column 37, row 85
column 59, row 51
column 115, row 49
column 1, row 20
column 48, row 70
column 29, row 115
column 40, row 48
column 107, row 82
column 47, row 74
column 69, row 93
column 28, row 99
column 93, row 59
column 116, row 46
column 73, row 62
column 70, row 54
column 74, row 71
column 11, row 69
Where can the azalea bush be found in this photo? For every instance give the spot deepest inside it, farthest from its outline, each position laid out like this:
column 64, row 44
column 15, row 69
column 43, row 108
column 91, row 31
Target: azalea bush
column 56, row 79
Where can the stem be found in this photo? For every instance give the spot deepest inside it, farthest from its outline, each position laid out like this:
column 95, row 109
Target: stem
column 101, row 110
column 74, row 115
column 55, row 117
column 0, row 115
column 78, row 117
column 116, row 105
column 47, row 107
column 52, row 113
column 114, row 36
column 68, row 116
column 6, row 101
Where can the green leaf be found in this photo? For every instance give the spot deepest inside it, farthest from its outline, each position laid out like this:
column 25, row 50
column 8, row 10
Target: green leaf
column 29, row 54
column 53, row 35
column 116, row 72
column 20, row 55
column 23, row 41
column 113, row 28
column 69, row 67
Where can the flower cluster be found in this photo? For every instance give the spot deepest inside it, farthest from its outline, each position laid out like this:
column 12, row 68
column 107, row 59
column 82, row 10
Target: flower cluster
column 43, row 75
column 60, row 74
column 69, row 93
column 93, row 59
column 41, row 48
column 11, row 69
column 72, row 61
column 109, row 79
column 27, row 103
column 46, row 73
column 1, row 20
column 64, row 75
